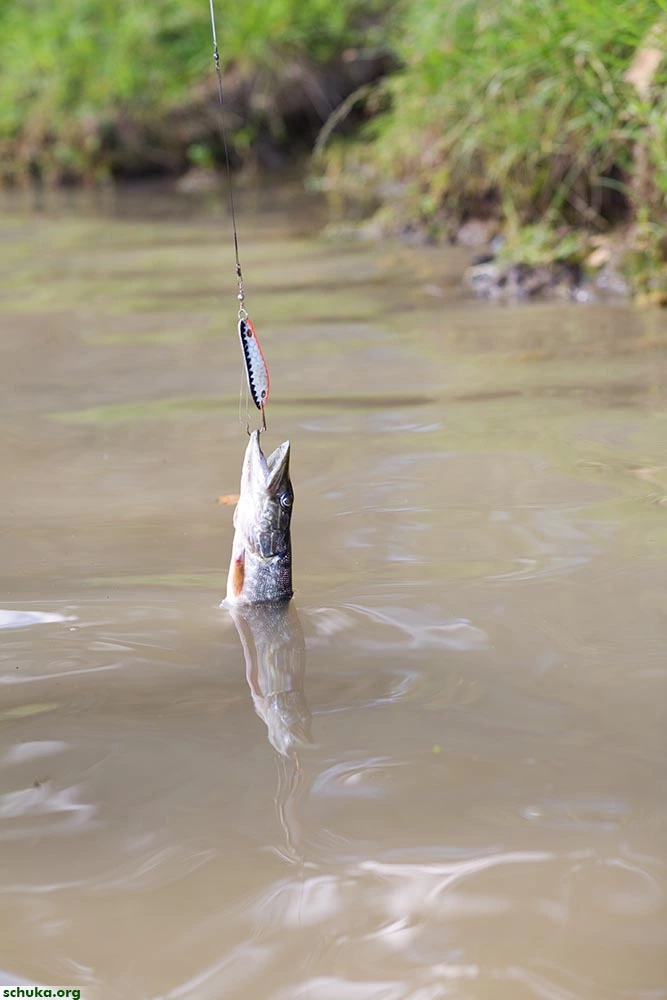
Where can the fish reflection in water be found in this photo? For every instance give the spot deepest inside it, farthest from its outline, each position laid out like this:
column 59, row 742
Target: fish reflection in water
column 275, row 657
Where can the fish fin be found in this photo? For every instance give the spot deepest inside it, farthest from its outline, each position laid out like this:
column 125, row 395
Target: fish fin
column 238, row 574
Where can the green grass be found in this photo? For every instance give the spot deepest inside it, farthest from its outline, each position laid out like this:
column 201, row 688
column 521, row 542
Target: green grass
column 522, row 109
column 527, row 96
column 76, row 72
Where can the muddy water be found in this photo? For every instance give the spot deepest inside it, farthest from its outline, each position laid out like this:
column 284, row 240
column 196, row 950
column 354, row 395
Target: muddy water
column 457, row 788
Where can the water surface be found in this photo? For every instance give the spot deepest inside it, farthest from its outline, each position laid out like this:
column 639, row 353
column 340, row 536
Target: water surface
column 472, row 804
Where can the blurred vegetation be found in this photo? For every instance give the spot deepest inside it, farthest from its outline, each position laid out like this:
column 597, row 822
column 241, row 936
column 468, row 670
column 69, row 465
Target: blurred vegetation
column 547, row 114
column 81, row 78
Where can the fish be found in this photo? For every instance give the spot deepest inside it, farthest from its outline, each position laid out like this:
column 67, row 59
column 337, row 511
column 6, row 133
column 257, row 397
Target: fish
column 274, row 650
column 260, row 569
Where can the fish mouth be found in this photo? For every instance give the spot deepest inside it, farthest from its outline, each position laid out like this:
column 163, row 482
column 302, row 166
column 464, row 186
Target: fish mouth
column 267, row 472
column 278, row 465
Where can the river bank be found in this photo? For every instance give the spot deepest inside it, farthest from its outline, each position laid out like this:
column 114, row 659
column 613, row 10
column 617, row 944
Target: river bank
column 538, row 128
column 542, row 122
column 92, row 90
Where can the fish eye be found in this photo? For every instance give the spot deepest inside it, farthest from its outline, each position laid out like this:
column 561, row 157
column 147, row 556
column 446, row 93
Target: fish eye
column 286, row 499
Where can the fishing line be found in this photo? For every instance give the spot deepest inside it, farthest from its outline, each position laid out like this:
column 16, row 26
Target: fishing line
column 243, row 398
column 257, row 372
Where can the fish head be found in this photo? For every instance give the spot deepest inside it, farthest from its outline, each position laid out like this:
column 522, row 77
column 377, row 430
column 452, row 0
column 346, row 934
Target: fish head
column 264, row 511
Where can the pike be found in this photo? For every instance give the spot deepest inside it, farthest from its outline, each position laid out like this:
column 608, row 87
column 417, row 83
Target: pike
column 260, row 569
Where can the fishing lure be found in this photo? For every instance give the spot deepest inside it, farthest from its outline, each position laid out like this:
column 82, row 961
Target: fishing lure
column 257, row 372
column 256, row 368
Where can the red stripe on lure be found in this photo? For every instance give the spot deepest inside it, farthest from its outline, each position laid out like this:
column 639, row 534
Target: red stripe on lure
column 255, row 365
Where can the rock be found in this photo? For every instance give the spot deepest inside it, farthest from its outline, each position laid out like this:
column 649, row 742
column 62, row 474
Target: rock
column 483, row 279
column 476, row 233
column 514, row 282
column 599, row 257
column 199, row 180
column 611, row 282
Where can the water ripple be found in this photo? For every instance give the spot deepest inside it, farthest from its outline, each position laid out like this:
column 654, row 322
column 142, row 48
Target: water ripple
column 361, row 779
column 423, row 628
column 10, row 618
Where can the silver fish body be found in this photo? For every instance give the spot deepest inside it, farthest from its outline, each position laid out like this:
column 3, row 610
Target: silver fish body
column 260, row 569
